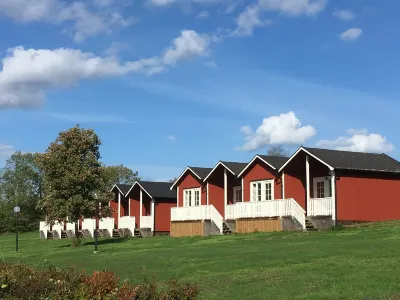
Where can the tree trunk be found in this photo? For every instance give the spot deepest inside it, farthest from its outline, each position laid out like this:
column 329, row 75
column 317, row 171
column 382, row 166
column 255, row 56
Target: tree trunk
column 76, row 240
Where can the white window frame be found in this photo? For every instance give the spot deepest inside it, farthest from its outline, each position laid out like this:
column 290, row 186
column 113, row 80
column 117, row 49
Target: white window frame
column 327, row 186
column 193, row 194
column 263, row 190
column 237, row 189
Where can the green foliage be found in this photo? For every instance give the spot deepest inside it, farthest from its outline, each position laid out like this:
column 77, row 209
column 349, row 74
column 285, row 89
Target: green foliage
column 20, row 184
column 73, row 177
column 119, row 175
column 18, row 281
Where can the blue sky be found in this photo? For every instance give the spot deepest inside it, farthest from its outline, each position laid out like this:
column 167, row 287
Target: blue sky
column 168, row 84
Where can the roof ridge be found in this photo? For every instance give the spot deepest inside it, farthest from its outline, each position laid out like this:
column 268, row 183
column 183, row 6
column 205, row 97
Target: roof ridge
column 347, row 151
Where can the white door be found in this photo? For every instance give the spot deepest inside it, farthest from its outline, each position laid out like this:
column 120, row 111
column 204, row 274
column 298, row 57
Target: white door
column 322, row 187
column 262, row 190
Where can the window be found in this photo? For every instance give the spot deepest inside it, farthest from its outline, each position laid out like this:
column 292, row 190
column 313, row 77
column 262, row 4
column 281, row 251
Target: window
column 322, row 187
column 191, row 197
column 262, row 190
column 237, row 194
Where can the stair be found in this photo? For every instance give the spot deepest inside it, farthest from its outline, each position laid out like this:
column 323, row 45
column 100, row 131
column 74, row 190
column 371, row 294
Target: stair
column 310, row 226
column 97, row 233
column 226, row 229
column 50, row 235
column 64, row 234
column 116, row 233
column 137, row 233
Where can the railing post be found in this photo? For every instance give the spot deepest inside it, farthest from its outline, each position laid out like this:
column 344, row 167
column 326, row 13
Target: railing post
column 333, row 201
column 225, row 191
column 308, row 183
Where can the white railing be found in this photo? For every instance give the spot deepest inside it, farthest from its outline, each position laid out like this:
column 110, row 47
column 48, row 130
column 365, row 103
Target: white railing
column 230, row 212
column 107, row 224
column 273, row 208
column 203, row 212
column 127, row 222
column 89, row 225
column 57, row 228
column 320, row 207
column 43, row 229
column 71, row 227
column 146, row 222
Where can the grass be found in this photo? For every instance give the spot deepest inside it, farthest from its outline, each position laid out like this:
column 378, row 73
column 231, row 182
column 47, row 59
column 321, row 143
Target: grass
column 354, row 263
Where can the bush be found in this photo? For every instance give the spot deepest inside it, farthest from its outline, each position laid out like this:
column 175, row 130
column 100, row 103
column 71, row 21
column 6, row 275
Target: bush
column 18, row 281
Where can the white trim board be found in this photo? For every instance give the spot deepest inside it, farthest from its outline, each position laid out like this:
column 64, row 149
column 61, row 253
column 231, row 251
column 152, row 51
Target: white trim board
column 253, row 160
column 183, row 173
column 216, row 166
column 116, row 186
column 310, row 154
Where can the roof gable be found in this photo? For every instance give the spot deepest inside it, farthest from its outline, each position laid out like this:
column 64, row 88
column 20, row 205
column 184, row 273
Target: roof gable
column 199, row 172
column 233, row 167
column 158, row 189
column 274, row 162
column 123, row 188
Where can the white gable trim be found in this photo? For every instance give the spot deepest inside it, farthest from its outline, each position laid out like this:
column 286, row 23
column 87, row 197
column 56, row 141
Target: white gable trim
column 183, row 173
column 253, row 160
column 216, row 166
column 116, row 186
column 137, row 182
column 310, row 154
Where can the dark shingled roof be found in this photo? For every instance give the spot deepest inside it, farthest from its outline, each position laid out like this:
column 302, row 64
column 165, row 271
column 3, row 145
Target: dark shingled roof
column 124, row 188
column 235, row 167
column 275, row 161
column 202, row 172
column 347, row 160
column 158, row 189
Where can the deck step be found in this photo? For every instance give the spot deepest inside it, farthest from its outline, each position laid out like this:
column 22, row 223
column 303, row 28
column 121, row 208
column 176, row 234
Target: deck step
column 310, row 226
column 64, row 234
column 226, row 229
column 137, row 233
column 116, row 233
column 50, row 235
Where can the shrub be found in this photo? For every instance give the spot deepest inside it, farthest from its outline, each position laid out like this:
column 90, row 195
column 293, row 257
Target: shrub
column 18, row 281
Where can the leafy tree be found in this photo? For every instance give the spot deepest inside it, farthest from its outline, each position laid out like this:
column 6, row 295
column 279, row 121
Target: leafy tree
column 278, row 151
column 173, row 180
column 74, row 181
column 119, row 175
column 20, row 184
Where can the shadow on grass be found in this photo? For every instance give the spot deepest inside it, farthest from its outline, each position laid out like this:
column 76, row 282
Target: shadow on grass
column 99, row 242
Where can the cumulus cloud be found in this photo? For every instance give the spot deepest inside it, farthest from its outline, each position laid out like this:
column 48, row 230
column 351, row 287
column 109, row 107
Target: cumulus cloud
column 87, row 19
column 351, row 34
column 6, row 150
column 171, row 138
column 359, row 141
column 285, row 129
column 252, row 16
column 28, row 73
column 344, row 14
column 187, row 46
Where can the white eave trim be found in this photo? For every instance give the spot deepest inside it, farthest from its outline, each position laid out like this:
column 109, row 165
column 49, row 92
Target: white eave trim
column 216, row 166
column 253, row 160
column 116, row 186
column 183, row 173
column 309, row 153
column 137, row 182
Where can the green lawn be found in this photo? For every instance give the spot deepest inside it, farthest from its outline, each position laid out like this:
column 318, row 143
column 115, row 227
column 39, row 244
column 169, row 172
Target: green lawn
column 355, row 263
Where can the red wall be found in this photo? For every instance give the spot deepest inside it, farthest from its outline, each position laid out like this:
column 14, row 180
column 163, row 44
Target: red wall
column 114, row 210
column 162, row 217
column 216, row 190
column 367, row 196
column 260, row 171
column 134, row 197
column 295, row 187
column 146, row 204
column 190, row 181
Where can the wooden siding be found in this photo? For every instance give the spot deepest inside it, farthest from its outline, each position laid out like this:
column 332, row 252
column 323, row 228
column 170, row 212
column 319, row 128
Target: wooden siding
column 189, row 181
column 260, row 171
column 162, row 217
column 187, row 228
column 258, row 225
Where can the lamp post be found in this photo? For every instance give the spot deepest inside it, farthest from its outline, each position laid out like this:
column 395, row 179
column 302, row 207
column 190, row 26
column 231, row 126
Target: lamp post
column 17, row 209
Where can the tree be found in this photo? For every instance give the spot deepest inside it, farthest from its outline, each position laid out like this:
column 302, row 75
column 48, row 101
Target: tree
column 173, row 180
column 278, row 151
column 20, row 184
column 119, row 175
column 74, row 181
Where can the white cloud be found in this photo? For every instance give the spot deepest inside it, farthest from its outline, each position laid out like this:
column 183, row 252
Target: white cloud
column 28, row 73
column 344, row 14
column 359, row 141
column 187, row 46
column 171, row 138
column 116, row 48
column 161, row 2
column 351, row 34
column 285, row 129
column 6, row 150
column 86, row 20
column 252, row 16
column 203, row 14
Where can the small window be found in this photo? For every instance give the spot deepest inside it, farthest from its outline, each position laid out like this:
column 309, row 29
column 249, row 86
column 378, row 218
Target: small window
column 191, row 197
column 320, row 189
column 237, row 194
column 263, row 190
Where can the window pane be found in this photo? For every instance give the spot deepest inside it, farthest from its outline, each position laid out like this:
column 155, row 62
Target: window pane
column 268, row 191
column 254, row 192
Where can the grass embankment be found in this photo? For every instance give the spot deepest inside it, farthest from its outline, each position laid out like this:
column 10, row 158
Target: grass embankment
column 355, row 263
